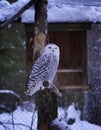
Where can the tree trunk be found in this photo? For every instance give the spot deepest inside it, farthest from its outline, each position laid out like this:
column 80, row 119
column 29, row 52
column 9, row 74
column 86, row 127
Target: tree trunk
column 40, row 29
column 46, row 100
column 47, row 108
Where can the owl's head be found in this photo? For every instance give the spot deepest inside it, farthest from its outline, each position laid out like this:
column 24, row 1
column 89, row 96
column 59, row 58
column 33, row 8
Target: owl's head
column 52, row 48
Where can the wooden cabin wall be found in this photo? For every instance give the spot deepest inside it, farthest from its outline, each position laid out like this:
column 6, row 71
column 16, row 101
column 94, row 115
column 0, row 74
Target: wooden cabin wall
column 72, row 45
column 73, row 53
column 92, row 106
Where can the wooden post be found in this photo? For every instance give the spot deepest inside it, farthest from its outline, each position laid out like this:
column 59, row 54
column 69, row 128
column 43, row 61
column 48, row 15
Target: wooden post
column 46, row 100
column 47, row 108
column 40, row 29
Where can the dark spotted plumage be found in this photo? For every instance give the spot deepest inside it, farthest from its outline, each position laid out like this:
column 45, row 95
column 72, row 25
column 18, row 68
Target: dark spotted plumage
column 44, row 69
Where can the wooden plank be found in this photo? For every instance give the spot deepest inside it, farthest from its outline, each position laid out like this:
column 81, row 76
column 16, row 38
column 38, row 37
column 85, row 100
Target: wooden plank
column 69, row 70
column 75, row 87
column 69, row 26
column 62, row 26
column 84, row 58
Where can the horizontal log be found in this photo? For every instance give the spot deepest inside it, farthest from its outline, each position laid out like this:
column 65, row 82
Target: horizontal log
column 80, row 26
column 69, row 70
column 75, row 87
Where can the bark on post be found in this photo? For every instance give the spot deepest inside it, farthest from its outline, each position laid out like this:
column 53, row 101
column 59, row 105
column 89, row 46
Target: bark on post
column 47, row 109
column 46, row 100
column 40, row 29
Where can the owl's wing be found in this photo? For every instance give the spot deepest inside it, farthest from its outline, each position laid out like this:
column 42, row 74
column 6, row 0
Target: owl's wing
column 39, row 70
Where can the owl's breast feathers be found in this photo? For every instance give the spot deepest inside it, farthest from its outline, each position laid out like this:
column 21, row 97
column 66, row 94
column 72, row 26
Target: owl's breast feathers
column 44, row 69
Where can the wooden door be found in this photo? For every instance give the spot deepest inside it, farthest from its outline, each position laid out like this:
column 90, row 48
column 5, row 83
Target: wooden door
column 72, row 67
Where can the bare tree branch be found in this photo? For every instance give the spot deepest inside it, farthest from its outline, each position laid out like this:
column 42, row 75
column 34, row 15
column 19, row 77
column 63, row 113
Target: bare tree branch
column 13, row 121
column 6, row 128
column 32, row 119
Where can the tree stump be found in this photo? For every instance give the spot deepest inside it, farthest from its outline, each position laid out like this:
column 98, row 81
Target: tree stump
column 46, row 102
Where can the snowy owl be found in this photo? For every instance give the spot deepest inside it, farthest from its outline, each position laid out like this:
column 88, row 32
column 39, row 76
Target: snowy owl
column 44, row 70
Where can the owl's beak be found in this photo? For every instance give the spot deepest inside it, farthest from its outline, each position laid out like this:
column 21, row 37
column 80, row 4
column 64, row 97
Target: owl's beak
column 53, row 50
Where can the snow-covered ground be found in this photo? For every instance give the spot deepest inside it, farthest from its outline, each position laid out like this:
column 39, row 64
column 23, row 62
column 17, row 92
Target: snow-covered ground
column 58, row 11
column 24, row 119
column 21, row 118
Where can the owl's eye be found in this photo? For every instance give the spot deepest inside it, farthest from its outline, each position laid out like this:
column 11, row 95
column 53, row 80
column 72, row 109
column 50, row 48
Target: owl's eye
column 49, row 47
column 55, row 47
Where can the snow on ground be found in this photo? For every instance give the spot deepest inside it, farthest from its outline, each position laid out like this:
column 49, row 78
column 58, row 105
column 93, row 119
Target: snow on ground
column 57, row 11
column 9, row 92
column 71, row 113
column 22, row 119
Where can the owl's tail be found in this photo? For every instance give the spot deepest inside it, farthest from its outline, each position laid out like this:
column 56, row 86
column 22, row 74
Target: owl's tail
column 28, row 92
column 56, row 90
column 31, row 91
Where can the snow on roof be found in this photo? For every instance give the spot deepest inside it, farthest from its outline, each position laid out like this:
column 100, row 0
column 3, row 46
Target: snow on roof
column 58, row 11
column 84, row 2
